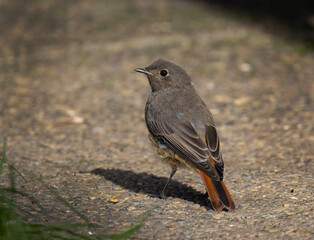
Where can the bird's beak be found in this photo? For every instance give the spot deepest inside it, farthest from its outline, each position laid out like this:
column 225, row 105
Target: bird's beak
column 143, row 70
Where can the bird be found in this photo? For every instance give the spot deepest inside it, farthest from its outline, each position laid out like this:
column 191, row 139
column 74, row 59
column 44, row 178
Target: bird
column 182, row 129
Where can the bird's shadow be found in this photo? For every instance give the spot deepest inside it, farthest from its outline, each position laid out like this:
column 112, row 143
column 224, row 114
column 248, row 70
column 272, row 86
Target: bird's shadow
column 152, row 185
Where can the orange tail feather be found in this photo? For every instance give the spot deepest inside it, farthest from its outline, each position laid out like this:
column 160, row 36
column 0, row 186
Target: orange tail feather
column 218, row 193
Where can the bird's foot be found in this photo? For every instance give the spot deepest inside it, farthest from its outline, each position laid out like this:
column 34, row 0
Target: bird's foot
column 162, row 196
column 152, row 195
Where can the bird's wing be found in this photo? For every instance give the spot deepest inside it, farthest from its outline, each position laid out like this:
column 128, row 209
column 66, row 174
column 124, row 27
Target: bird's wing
column 213, row 143
column 183, row 140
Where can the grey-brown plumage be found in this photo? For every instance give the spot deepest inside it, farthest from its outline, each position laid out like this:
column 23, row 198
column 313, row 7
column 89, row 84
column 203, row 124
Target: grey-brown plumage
column 182, row 129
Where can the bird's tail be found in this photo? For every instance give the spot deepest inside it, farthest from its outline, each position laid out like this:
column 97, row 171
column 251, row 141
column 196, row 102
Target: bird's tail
column 218, row 193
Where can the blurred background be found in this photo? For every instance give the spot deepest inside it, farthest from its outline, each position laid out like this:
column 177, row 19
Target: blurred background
column 88, row 44
column 70, row 102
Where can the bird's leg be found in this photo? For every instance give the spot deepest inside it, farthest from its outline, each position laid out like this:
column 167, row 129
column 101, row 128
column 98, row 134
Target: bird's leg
column 174, row 169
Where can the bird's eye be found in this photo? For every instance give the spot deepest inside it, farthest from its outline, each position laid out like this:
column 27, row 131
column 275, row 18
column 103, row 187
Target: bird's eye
column 163, row 72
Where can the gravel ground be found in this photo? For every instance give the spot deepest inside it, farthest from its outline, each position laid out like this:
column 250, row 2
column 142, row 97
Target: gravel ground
column 73, row 111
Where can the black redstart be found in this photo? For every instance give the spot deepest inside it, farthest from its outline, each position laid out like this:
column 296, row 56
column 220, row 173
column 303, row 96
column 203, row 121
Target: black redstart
column 182, row 129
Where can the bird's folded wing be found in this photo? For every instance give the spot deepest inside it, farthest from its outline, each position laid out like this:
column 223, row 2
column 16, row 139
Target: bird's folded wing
column 213, row 143
column 184, row 141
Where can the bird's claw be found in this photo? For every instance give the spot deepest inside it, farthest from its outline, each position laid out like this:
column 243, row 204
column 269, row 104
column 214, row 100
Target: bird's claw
column 162, row 195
